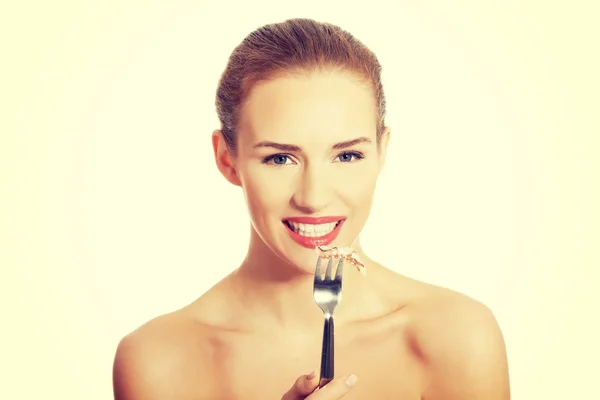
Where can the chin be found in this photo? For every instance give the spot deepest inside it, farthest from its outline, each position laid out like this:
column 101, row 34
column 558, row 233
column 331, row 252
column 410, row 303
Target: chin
column 300, row 258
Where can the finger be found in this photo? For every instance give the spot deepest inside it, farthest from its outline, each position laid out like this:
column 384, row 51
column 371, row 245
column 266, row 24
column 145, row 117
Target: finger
column 336, row 389
column 304, row 385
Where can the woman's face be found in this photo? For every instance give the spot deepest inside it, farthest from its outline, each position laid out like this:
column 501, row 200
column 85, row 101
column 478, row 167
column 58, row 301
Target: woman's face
column 308, row 162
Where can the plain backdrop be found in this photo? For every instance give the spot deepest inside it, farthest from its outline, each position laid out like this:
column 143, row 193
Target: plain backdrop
column 112, row 211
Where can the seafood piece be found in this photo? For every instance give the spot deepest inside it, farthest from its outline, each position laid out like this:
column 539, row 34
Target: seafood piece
column 343, row 252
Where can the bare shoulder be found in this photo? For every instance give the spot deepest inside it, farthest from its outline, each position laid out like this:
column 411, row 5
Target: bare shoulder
column 461, row 345
column 166, row 358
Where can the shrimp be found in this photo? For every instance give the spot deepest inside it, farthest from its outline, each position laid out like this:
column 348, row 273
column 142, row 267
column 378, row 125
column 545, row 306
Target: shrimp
column 343, row 252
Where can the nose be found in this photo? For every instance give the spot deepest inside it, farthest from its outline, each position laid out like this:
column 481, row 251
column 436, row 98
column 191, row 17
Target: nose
column 314, row 190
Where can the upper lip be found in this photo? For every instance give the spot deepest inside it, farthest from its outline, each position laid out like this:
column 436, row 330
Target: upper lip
column 314, row 220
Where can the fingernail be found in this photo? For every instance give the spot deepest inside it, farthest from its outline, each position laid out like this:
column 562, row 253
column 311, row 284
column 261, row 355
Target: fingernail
column 312, row 374
column 351, row 380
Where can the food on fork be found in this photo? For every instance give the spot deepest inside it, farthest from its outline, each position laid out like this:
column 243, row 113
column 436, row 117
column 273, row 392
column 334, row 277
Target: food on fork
column 346, row 253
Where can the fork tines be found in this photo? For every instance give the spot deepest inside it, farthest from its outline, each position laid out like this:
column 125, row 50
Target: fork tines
column 328, row 272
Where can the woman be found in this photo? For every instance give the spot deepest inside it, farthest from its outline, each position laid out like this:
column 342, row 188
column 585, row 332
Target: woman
column 302, row 134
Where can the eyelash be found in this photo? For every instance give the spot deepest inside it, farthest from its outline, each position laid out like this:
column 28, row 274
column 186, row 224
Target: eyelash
column 358, row 156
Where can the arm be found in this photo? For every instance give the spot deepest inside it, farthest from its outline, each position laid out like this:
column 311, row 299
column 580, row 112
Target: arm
column 465, row 354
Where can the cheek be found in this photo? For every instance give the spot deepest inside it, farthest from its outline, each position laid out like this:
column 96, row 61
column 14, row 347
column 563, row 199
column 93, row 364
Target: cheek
column 264, row 192
column 357, row 187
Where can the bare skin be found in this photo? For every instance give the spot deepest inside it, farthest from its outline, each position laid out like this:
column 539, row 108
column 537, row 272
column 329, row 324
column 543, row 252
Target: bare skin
column 212, row 349
column 257, row 333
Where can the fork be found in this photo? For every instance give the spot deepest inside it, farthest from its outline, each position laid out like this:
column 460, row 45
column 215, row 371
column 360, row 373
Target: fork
column 328, row 293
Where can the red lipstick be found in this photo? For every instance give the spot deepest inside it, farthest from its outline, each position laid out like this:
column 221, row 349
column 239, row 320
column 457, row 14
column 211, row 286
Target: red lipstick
column 311, row 242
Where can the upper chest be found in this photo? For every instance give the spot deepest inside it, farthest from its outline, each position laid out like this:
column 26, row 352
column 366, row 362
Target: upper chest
column 266, row 367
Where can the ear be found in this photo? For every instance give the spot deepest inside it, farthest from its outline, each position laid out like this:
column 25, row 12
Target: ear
column 223, row 158
column 383, row 146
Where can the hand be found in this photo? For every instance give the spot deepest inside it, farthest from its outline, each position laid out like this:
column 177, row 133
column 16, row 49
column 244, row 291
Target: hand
column 306, row 386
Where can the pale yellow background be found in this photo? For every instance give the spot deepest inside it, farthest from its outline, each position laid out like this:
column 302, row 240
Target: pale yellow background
column 112, row 211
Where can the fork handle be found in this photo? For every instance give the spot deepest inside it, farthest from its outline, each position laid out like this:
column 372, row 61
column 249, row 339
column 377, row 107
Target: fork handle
column 327, row 353
column 324, row 381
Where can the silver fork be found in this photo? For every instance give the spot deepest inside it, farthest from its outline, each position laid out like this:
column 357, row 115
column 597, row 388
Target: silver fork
column 328, row 293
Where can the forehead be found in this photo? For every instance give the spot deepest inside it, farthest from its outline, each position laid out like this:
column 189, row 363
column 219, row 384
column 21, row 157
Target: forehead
column 319, row 107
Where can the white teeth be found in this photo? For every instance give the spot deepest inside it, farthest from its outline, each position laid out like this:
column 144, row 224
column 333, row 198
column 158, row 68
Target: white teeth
column 311, row 230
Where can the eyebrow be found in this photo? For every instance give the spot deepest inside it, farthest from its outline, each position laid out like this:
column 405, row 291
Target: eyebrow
column 294, row 148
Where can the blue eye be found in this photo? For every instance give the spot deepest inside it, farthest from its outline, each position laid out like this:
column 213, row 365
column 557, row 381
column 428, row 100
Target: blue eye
column 277, row 159
column 285, row 159
column 348, row 156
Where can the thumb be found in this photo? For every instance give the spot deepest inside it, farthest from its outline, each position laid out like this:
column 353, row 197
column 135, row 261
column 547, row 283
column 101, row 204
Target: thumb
column 304, row 385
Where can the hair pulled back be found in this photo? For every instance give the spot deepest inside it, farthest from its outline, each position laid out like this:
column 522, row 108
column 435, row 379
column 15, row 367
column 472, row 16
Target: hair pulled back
column 295, row 45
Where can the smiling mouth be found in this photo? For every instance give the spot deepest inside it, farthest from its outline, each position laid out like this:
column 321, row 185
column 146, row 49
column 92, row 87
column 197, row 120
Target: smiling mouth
column 312, row 230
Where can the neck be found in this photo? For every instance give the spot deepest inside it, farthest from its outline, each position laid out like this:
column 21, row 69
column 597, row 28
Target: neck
column 281, row 295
